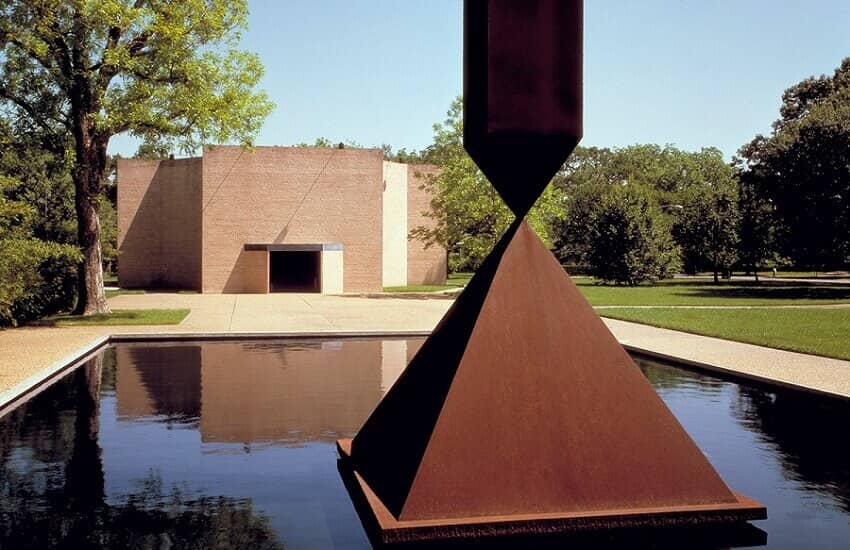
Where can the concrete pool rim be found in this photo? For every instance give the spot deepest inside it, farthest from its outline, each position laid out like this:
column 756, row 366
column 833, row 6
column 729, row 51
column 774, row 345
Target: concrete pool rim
column 24, row 390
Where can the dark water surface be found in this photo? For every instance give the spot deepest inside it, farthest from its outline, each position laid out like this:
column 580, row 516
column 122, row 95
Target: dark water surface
column 231, row 444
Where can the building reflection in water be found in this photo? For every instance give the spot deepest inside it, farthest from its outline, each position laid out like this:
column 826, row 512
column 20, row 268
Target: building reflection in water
column 259, row 392
column 153, row 446
column 52, row 484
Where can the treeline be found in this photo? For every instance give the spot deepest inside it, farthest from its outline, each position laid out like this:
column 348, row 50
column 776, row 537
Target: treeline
column 645, row 212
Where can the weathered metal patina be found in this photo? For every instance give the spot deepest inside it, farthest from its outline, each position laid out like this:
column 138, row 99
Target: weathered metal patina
column 522, row 413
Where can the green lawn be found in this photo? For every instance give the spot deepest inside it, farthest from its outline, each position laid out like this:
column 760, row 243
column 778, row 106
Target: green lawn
column 120, row 317
column 111, row 293
column 805, row 274
column 816, row 331
column 454, row 280
column 701, row 293
column 418, row 288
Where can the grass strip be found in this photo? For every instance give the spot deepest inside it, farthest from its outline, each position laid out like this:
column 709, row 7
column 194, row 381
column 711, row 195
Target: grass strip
column 814, row 331
column 120, row 317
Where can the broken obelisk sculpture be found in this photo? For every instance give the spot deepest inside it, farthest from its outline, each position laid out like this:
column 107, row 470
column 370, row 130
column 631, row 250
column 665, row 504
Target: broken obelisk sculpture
column 522, row 413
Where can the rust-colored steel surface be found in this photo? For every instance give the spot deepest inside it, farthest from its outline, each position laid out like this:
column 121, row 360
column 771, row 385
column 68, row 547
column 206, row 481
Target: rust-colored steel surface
column 521, row 413
column 522, row 92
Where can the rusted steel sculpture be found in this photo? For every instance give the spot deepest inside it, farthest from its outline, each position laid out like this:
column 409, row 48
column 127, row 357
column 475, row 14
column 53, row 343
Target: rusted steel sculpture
column 522, row 413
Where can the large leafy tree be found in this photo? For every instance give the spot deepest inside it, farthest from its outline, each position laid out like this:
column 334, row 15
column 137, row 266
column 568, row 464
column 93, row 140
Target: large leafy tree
column 618, row 233
column 33, row 271
column 706, row 227
column 470, row 216
column 168, row 72
column 696, row 191
column 802, row 170
column 42, row 171
column 666, row 169
column 38, row 259
column 757, row 246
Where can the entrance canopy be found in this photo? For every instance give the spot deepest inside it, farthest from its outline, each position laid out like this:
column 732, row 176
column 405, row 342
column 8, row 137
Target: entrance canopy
column 293, row 267
column 281, row 247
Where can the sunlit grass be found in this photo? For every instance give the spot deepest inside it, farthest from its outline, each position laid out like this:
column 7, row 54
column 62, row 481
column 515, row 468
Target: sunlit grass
column 120, row 317
column 817, row 331
column 701, row 293
column 454, row 280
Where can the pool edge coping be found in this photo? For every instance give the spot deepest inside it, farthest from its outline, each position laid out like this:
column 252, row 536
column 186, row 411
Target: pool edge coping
column 34, row 384
column 733, row 374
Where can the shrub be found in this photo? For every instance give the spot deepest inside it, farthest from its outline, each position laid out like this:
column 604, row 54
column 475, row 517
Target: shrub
column 37, row 277
column 619, row 233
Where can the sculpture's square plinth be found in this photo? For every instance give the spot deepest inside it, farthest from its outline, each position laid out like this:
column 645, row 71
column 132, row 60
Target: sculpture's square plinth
column 386, row 529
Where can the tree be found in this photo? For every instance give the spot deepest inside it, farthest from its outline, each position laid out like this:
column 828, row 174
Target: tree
column 697, row 191
column 706, row 227
column 33, row 272
column 469, row 214
column 802, row 170
column 757, row 247
column 42, row 175
column 86, row 70
column 666, row 171
column 152, row 151
column 37, row 226
column 403, row 155
column 619, row 233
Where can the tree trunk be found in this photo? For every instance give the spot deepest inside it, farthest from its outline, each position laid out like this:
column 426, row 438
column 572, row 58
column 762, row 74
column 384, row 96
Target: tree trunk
column 716, row 281
column 88, row 176
column 89, row 169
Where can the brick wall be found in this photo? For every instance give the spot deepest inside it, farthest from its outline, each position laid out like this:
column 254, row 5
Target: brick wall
column 425, row 266
column 291, row 195
column 159, row 223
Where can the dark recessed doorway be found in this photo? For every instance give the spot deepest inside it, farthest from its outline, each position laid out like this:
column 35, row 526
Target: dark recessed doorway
column 293, row 271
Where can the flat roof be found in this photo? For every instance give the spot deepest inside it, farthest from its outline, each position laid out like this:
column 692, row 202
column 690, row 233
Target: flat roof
column 281, row 247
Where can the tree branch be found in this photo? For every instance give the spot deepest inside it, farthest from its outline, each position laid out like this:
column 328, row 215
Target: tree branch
column 150, row 126
column 30, row 110
column 170, row 79
column 138, row 42
column 135, row 46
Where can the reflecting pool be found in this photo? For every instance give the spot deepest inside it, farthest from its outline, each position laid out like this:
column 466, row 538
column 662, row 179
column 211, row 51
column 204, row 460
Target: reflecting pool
column 231, row 445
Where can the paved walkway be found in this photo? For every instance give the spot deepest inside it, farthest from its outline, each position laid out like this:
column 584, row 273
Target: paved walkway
column 26, row 351
column 824, row 280
column 786, row 306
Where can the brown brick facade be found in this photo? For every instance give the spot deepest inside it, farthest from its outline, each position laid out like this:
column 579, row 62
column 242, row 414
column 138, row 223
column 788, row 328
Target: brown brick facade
column 291, row 195
column 159, row 223
column 184, row 223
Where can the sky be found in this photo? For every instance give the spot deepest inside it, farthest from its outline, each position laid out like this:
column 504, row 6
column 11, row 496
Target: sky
column 692, row 73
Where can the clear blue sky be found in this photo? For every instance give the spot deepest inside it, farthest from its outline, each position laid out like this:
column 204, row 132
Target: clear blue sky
column 692, row 73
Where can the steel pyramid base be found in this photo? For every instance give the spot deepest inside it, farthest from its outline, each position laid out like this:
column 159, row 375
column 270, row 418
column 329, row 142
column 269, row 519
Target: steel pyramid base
column 522, row 414
column 384, row 528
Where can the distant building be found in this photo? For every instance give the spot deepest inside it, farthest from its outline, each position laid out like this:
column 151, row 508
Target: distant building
column 274, row 219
